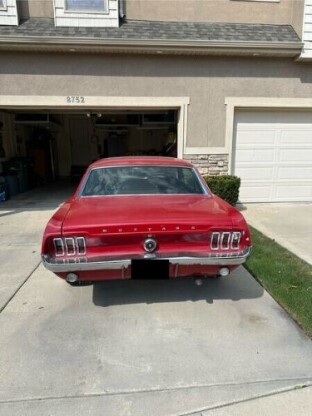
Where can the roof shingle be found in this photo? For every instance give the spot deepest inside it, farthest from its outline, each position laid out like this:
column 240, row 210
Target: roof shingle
column 153, row 31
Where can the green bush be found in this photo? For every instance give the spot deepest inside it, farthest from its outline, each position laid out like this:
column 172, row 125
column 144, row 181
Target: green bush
column 225, row 186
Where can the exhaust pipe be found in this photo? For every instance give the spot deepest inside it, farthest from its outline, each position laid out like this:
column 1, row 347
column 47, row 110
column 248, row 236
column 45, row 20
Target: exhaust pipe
column 224, row 271
column 72, row 278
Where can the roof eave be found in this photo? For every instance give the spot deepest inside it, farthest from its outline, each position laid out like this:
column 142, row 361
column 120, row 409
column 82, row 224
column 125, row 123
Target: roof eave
column 85, row 45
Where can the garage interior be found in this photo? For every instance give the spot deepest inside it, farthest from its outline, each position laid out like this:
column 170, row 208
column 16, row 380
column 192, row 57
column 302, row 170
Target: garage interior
column 38, row 148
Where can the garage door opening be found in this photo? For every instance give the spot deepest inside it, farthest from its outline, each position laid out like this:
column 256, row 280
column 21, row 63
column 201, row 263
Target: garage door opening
column 41, row 147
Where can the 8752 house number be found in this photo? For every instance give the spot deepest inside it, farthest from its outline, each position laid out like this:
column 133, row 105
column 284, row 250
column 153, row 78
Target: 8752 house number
column 76, row 99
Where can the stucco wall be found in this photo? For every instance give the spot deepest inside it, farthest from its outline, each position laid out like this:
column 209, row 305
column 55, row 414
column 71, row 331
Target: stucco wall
column 206, row 80
column 283, row 12
column 35, row 8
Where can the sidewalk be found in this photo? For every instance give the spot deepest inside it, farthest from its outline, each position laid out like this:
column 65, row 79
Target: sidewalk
column 289, row 224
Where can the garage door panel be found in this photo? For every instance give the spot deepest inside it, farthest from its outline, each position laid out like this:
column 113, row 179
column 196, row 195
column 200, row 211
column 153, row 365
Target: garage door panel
column 273, row 155
column 255, row 155
column 257, row 138
column 294, row 173
column 255, row 193
column 251, row 173
column 295, row 155
column 291, row 192
column 297, row 138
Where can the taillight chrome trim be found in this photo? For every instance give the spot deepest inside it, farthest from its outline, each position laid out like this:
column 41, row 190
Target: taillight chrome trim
column 215, row 241
column 226, row 236
column 225, row 240
column 237, row 234
column 70, row 251
column 55, row 242
column 80, row 251
column 69, row 246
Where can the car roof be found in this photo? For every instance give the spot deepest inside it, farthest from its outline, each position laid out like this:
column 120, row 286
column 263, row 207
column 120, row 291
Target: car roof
column 140, row 160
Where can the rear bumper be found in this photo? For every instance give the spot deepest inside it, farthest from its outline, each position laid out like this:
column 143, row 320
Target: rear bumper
column 76, row 265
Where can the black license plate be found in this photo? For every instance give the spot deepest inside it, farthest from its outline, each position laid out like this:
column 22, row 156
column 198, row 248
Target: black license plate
column 150, row 269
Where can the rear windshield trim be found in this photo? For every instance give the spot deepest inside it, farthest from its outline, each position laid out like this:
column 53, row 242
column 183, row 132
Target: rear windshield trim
column 196, row 173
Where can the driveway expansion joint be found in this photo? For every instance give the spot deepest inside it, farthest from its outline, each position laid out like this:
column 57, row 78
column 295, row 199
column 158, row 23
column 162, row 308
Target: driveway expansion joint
column 19, row 288
column 300, row 383
column 235, row 402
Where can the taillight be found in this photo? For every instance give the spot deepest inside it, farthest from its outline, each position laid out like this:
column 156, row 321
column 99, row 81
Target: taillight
column 81, row 245
column 69, row 246
column 236, row 238
column 58, row 246
column 225, row 240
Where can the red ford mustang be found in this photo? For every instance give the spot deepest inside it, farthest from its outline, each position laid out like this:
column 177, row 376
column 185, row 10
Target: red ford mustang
column 144, row 217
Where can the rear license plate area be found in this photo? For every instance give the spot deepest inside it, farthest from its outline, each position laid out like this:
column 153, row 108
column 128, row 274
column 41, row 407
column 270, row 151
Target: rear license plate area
column 149, row 269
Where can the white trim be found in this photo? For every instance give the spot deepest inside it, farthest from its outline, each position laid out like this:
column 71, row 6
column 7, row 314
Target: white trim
column 38, row 102
column 107, row 17
column 9, row 13
column 205, row 151
column 234, row 103
column 60, row 101
column 262, row 1
column 306, row 53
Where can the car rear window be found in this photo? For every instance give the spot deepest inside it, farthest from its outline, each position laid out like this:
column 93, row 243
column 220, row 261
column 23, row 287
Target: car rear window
column 142, row 180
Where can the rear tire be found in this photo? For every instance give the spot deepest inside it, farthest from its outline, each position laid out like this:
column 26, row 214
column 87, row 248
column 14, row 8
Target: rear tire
column 76, row 284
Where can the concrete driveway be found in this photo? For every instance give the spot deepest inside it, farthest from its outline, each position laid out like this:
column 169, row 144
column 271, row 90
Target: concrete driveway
column 288, row 224
column 130, row 347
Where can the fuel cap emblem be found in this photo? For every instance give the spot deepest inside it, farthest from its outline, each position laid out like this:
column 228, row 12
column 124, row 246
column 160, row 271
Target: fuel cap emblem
column 150, row 245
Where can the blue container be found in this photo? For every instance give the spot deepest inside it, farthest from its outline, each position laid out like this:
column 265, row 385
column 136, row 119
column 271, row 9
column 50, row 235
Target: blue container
column 13, row 183
column 20, row 167
column 4, row 189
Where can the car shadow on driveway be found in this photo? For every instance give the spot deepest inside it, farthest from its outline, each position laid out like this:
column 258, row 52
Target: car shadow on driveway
column 239, row 285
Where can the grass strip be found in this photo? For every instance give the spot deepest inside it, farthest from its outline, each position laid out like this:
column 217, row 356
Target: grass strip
column 286, row 277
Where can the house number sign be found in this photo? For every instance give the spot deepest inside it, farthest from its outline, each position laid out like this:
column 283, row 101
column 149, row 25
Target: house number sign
column 76, row 99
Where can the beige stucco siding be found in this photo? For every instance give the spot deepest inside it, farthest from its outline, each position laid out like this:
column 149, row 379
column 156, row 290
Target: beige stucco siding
column 206, row 80
column 35, row 8
column 283, row 12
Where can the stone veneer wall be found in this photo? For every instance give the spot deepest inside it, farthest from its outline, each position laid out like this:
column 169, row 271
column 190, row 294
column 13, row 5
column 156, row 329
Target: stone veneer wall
column 210, row 164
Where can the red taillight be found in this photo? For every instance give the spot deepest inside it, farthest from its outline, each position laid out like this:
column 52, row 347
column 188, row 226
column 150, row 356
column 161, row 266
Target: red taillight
column 69, row 246
column 225, row 240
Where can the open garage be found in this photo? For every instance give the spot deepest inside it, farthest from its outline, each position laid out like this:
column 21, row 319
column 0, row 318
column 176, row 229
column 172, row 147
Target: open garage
column 48, row 145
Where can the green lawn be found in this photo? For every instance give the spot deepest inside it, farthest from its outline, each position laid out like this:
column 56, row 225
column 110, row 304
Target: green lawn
column 286, row 277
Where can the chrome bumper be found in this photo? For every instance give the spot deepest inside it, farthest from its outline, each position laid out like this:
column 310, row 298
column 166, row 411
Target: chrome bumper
column 75, row 265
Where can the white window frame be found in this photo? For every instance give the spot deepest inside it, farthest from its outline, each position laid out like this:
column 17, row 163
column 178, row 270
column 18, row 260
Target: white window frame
column 105, row 9
column 9, row 13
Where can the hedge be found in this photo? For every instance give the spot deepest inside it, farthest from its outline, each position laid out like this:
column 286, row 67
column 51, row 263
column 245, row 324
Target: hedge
column 225, row 186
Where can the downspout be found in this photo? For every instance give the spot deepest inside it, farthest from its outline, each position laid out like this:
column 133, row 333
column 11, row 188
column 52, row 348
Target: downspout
column 121, row 9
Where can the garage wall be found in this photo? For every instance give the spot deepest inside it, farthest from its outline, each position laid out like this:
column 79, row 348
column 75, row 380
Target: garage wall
column 206, row 80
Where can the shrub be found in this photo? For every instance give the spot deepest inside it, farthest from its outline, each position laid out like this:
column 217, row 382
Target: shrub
column 225, row 186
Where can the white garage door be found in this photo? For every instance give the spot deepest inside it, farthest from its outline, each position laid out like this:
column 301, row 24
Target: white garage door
column 273, row 155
